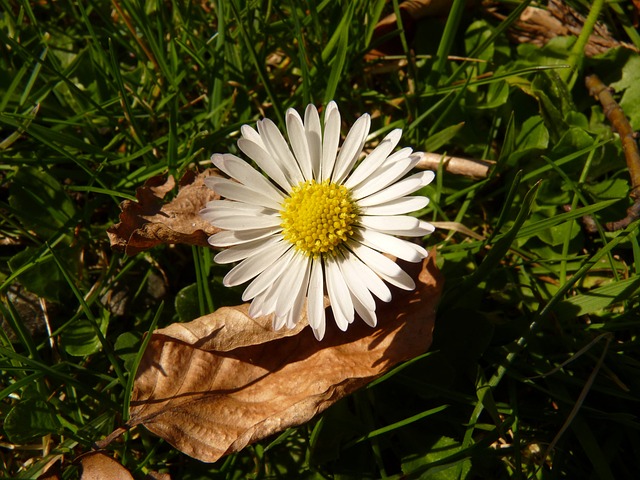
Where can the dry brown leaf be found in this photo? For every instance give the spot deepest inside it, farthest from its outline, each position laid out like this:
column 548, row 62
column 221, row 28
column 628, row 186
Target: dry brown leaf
column 98, row 466
column 150, row 222
column 538, row 25
column 212, row 386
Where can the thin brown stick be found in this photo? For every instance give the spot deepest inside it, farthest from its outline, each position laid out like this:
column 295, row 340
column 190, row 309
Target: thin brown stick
column 459, row 166
column 621, row 125
column 102, row 444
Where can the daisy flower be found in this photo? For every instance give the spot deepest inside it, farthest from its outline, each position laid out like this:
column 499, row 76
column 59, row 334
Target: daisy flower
column 315, row 221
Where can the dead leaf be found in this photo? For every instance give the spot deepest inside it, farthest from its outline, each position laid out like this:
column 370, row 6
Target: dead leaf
column 98, row 466
column 538, row 25
column 212, row 386
column 150, row 222
column 153, row 475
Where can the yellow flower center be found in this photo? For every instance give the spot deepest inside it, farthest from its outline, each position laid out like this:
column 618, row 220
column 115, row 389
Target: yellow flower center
column 317, row 217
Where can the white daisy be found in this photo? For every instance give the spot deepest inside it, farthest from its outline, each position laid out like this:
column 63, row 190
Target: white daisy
column 317, row 223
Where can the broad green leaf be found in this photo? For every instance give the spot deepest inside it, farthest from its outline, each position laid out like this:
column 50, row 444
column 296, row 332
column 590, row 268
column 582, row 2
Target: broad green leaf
column 186, row 303
column 80, row 338
column 533, row 139
column 43, row 277
column 126, row 348
column 30, row 419
column 554, row 101
column 572, row 140
column 609, row 188
column 557, row 234
column 477, row 33
column 630, row 101
column 555, row 52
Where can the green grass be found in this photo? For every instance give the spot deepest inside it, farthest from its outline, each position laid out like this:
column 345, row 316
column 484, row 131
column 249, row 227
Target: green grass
column 535, row 367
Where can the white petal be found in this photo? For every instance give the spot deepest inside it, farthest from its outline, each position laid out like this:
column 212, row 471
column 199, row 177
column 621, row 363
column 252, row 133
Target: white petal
column 254, row 265
column 320, row 331
column 250, row 133
column 354, row 283
column 278, row 322
column 298, row 140
column 225, row 208
column 389, row 244
column 240, row 252
column 372, row 161
column 366, row 314
column 369, row 278
column 398, row 225
column 351, row 148
column 330, row 140
column 227, row 238
column 341, row 304
column 268, row 276
column 256, row 152
column 228, row 208
column 387, row 174
column 269, row 303
column 259, row 306
column 246, row 222
column 244, row 173
column 241, row 193
column 232, row 204
column 279, row 150
column 315, row 303
column 398, row 206
column 314, row 138
column 384, row 267
column 296, row 310
column 292, row 279
column 293, row 316
column 399, row 189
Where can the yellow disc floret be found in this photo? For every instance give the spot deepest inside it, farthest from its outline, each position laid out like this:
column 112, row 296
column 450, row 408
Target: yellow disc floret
column 317, row 217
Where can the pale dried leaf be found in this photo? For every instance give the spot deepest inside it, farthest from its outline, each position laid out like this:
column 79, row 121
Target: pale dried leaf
column 150, row 222
column 212, row 386
column 98, row 466
column 153, row 475
column 539, row 25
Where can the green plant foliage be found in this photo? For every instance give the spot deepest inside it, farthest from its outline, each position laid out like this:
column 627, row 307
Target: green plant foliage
column 82, row 339
column 39, row 202
column 187, row 305
column 535, row 367
column 628, row 84
column 29, row 419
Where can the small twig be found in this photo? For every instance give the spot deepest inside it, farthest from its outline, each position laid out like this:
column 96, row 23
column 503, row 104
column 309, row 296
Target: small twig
column 622, row 127
column 102, row 444
column 135, row 35
column 457, row 165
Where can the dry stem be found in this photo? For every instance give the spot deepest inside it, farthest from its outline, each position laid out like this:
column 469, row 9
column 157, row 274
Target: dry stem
column 621, row 125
